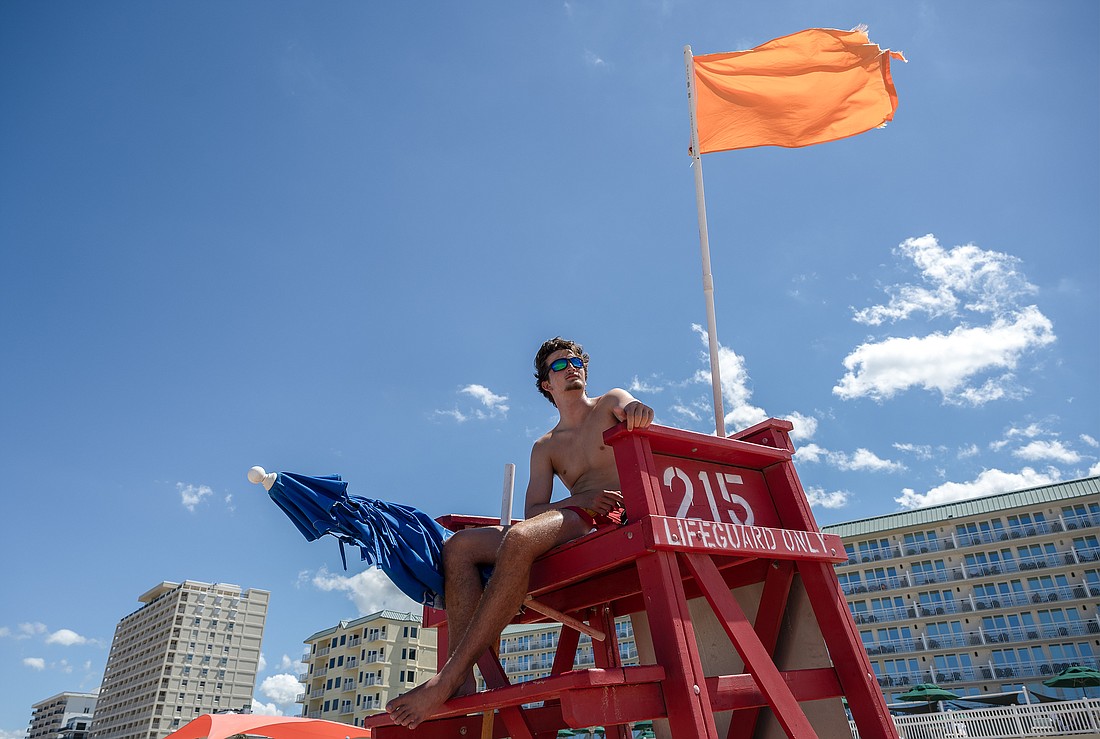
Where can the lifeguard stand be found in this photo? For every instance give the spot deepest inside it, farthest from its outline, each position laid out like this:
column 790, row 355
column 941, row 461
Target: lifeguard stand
column 707, row 516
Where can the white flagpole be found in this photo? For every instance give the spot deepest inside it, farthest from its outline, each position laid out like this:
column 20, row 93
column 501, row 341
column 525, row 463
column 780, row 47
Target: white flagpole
column 704, row 245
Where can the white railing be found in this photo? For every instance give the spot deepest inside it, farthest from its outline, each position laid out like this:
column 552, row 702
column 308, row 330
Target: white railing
column 1065, row 718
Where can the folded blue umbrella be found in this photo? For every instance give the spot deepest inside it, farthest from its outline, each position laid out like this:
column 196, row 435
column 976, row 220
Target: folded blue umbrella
column 404, row 542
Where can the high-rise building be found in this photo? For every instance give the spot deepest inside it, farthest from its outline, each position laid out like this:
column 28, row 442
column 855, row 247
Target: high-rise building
column 980, row 596
column 51, row 717
column 192, row 648
column 527, row 650
column 354, row 668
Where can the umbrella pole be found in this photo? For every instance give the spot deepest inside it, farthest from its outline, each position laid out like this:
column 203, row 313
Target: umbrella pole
column 534, row 605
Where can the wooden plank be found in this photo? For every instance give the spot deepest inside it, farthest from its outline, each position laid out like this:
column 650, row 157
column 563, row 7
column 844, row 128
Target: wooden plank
column 757, row 660
column 769, row 619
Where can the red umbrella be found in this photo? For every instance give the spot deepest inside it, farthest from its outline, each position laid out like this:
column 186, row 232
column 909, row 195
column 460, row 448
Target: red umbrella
column 224, row 725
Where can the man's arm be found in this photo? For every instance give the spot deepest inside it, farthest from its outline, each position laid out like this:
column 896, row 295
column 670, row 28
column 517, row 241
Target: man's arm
column 625, row 407
column 540, row 487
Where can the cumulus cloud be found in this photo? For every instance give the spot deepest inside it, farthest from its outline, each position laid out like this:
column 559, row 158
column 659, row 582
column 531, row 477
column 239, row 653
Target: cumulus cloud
column 641, row 386
column 192, row 495
column 493, row 402
column 821, row 499
column 968, row 451
column 27, row 630
column 13, row 733
column 265, row 709
column 968, row 365
column 861, row 460
column 736, row 394
column 989, row 482
column 1095, row 469
column 1090, row 441
column 66, row 638
column 282, row 688
column 35, row 663
column 989, row 281
column 1037, row 451
column 947, row 362
column 263, row 663
column 490, row 405
column 920, row 451
column 370, row 590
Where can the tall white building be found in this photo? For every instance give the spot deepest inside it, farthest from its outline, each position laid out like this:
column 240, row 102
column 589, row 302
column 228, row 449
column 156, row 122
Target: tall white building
column 192, row 648
column 987, row 595
column 354, row 668
column 51, row 716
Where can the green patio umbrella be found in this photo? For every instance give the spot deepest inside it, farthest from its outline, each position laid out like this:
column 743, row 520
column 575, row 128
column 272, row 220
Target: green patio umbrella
column 927, row 693
column 1075, row 676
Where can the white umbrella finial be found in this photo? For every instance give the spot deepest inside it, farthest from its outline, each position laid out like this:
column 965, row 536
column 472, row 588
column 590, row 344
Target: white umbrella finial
column 260, row 476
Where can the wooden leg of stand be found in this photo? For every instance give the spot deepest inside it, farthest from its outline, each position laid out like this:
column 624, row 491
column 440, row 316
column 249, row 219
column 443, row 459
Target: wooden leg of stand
column 557, row 615
column 487, row 724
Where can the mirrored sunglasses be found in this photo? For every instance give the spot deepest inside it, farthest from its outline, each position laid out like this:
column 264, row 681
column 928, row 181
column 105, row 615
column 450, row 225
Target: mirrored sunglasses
column 559, row 364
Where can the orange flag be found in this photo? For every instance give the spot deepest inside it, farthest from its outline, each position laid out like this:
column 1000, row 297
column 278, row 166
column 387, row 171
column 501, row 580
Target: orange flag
column 807, row 88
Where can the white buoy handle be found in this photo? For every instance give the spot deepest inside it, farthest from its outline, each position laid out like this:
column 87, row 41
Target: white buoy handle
column 260, row 476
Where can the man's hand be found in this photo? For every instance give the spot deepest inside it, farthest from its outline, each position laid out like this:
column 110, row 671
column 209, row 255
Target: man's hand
column 601, row 501
column 637, row 414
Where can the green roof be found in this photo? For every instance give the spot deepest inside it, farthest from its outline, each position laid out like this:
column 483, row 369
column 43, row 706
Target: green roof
column 1055, row 492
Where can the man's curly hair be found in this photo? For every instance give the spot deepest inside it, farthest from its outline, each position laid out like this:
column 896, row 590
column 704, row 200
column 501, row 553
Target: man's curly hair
column 542, row 371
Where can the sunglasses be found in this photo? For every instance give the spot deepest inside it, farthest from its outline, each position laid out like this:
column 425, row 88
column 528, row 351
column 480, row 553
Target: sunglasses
column 559, row 364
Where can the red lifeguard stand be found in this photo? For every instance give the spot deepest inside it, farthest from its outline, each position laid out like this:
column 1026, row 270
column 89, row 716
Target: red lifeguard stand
column 707, row 516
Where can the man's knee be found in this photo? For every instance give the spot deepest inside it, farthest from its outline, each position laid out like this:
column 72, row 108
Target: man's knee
column 524, row 541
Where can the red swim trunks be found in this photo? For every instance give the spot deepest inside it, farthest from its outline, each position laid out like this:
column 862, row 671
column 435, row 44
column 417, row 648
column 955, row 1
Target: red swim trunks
column 595, row 520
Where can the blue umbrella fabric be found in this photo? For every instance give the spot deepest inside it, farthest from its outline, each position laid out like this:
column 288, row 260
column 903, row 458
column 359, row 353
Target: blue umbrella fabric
column 404, row 542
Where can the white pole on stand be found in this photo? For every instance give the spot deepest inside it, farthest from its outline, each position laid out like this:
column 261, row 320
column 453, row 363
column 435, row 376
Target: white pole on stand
column 704, row 246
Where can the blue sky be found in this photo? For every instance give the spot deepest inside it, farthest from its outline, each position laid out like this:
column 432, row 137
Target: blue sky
column 329, row 238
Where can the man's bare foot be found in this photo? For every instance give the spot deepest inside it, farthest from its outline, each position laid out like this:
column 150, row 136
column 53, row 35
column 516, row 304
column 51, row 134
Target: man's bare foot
column 419, row 703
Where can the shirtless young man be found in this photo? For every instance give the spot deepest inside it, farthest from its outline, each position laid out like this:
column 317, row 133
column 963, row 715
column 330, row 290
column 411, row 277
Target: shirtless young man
column 574, row 451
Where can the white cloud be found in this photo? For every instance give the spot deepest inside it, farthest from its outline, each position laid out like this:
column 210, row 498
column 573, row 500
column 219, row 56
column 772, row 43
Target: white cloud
column 370, row 590
column 456, row 414
column 804, row 426
column 263, row 663
column 27, row 630
column 1090, row 440
column 192, row 495
column 282, row 688
column 989, row 482
column 946, row 362
column 286, row 663
column 861, row 460
column 495, row 403
column 920, row 451
column 593, row 60
column 818, row 497
column 811, row 453
column 66, row 637
column 1052, row 450
column 4, row 631
column 641, row 386
column 990, row 281
column 968, row 451
column 229, row 503
column 13, row 733
column 260, row 708
column 35, row 663
column 1095, row 469
column 864, row 459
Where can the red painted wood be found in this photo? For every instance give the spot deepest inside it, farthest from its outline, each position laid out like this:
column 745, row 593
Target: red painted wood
column 744, row 519
column 758, row 661
column 769, row 619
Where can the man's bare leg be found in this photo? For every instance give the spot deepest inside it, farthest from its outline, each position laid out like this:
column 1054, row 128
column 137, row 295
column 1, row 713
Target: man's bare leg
column 507, row 589
column 463, row 555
